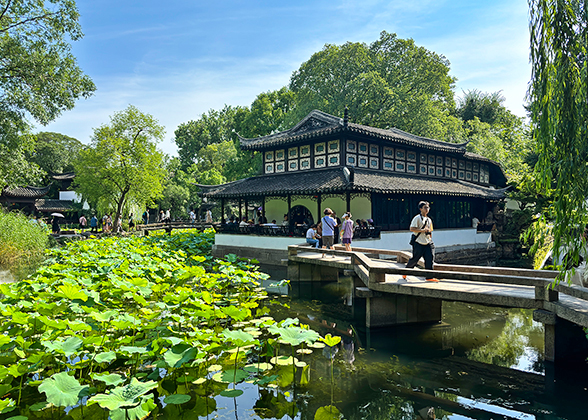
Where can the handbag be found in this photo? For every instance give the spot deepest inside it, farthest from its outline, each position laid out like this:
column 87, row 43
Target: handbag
column 414, row 237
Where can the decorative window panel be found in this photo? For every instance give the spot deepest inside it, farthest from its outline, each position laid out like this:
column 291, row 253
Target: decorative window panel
column 439, row 171
column 454, row 163
column 411, row 156
column 374, row 150
column 388, row 164
column 388, row 152
column 280, row 166
column 461, row 165
column 400, row 154
column 292, row 165
column 362, row 161
column 468, row 176
column 476, row 167
column 269, row 157
column 423, row 169
column 454, row 173
column 475, row 177
column 333, row 146
column 448, row 162
column 400, row 167
column 319, row 148
column 431, row 159
column 411, row 168
column 351, row 146
column 439, row 161
column 362, row 148
column 351, row 160
column 423, row 159
column 305, row 163
column 468, row 166
column 293, row 153
column 304, row 151
column 374, row 163
column 280, row 154
column 486, row 178
column 432, row 170
column 269, row 168
column 461, row 175
column 320, row 161
column 333, row 159
column 447, row 173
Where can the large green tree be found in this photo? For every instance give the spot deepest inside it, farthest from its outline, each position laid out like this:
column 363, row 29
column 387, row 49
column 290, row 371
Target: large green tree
column 559, row 105
column 122, row 165
column 39, row 76
column 389, row 83
column 55, row 153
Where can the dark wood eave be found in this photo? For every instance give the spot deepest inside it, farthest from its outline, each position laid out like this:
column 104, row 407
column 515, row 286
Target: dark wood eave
column 318, row 124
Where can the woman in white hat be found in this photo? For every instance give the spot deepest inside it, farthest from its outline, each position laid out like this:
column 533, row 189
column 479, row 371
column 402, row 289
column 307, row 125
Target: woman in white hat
column 347, row 231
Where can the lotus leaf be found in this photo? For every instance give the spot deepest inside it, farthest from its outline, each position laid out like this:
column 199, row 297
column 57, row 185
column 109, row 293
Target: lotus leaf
column 61, row 389
column 231, row 393
column 139, row 412
column 106, row 357
column 177, row 399
column 72, row 292
column 214, row 368
column 4, row 404
column 133, row 349
column 199, row 381
column 124, row 397
column 283, row 360
column 239, row 337
column 109, row 379
column 78, row 326
column 18, row 418
column 328, row 412
column 254, row 367
column 331, row 341
column 69, row 346
column 180, row 354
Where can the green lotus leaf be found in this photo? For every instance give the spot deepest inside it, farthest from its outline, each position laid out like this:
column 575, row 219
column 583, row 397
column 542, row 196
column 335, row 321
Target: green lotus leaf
column 239, row 337
column 331, row 341
column 61, row 389
column 283, row 360
column 125, row 396
column 20, row 318
column 199, row 381
column 173, row 340
column 177, row 399
column 72, row 292
column 180, row 354
column 231, row 393
column 317, row 345
column 40, row 406
column 4, row 404
column 78, row 326
column 328, row 412
column 139, row 412
column 214, row 368
column 4, row 340
column 109, row 379
column 106, row 357
column 254, row 367
column 304, row 351
column 236, row 313
column 18, row 418
column 296, row 335
column 305, row 376
column 133, row 349
column 69, row 346
column 103, row 316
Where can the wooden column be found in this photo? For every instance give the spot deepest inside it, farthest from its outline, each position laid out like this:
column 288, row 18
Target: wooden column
column 318, row 204
column 247, row 209
column 263, row 206
column 222, row 211
column 240, row 212
column 289, row 215
column 348, row 198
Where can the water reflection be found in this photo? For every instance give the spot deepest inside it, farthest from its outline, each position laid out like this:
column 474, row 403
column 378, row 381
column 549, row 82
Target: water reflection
column 478, row 363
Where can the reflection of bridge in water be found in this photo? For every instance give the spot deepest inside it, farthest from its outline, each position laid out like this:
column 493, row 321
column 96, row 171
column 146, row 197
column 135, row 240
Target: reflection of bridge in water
column 392, row 300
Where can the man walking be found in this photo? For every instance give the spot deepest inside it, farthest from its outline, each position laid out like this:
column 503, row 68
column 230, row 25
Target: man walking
column 422, row 228
column 328, row 225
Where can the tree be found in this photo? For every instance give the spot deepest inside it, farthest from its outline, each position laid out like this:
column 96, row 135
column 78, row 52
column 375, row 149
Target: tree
column 55, row 153
column 559, row 111
column 390, row 83
column 122, row 164
column 39, row 77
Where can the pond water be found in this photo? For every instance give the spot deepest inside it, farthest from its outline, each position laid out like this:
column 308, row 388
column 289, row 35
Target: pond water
column 478, row 363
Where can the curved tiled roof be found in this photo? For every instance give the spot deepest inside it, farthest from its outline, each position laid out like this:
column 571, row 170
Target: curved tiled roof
column 46, row 205
column 63, row 177
column 26, row 192
column 337, row 180
column 320, row 124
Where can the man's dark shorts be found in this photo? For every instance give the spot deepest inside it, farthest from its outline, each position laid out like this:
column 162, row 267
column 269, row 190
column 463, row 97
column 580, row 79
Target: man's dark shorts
column 328, row 241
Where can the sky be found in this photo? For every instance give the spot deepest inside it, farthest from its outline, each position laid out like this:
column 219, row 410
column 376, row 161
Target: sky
column 178, row 59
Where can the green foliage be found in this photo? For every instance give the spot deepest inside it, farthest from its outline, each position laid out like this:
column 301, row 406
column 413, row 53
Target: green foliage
column 559, row 105
column 55, row 153
column 39, row 76
column 390, row 83
column 22, row 242
column 116, row 319
column 122, row 166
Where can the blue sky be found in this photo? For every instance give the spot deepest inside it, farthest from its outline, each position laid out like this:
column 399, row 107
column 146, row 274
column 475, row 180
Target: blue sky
column 176, row 59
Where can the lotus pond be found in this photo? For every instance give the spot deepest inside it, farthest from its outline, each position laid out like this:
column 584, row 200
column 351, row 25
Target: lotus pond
column 154, row 327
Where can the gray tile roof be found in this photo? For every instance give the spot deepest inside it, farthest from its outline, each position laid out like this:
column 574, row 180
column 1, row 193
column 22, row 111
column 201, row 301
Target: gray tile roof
column 46, row 205
column 337, row 180
column 319, row 124
column 26, row 192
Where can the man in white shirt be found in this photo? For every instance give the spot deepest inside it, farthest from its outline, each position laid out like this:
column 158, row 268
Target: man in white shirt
column 422, row 227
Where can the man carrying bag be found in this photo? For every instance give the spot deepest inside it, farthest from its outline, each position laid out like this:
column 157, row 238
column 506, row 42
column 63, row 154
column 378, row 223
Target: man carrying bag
column 421, row 240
